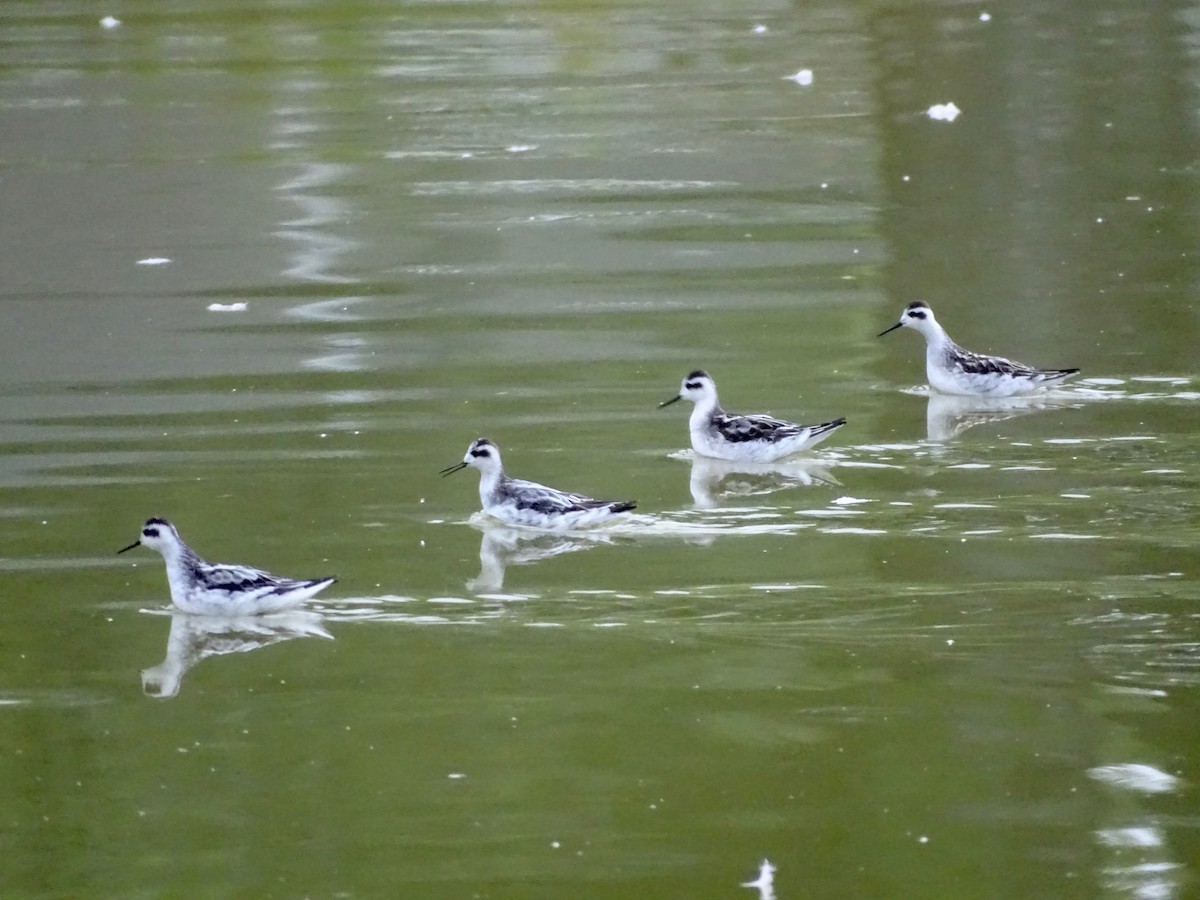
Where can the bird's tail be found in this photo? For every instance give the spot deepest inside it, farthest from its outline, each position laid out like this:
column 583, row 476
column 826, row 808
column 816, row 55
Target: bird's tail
column 826, row 427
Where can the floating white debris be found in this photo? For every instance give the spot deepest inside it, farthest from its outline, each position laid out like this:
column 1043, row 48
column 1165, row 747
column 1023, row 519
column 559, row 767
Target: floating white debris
column 802, row 77
column 943, row 112
column 227, row 307
column 522, row 148
column 760, row 29
column 765, row 882
column 848, row 501
column 154, row 261
column 110, row 22
column 985, row 17
column 1136, row 777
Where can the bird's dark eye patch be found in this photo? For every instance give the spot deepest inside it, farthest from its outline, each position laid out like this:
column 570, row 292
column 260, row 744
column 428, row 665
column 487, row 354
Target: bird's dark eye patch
column 693, row 385
column 917, row 313
column 149, row 532
column 482, row 452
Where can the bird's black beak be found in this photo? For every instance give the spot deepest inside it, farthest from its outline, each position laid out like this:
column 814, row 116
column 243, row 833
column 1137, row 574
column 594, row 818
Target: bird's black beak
column 450, row 470
column 886, row 330
column 130, row 547
column 669, row 402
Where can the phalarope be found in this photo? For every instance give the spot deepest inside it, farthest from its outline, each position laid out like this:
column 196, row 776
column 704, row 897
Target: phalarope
column 216, row 589
column 753, row 438
column 953, row 370
column 528, row 503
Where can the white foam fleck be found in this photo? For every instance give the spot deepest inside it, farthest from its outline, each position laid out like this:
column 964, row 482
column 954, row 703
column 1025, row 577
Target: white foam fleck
column 1130, row 837
column 765, row 882
column 1136, row 777
column 943, row 112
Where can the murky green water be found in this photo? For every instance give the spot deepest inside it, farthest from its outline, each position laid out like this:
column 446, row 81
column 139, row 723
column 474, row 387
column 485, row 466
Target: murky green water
column 955, row 652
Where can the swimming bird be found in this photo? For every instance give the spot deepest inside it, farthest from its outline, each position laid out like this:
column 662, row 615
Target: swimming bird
column 953, row 370
column 749, row 438
column 529, row 503
column 217, row 589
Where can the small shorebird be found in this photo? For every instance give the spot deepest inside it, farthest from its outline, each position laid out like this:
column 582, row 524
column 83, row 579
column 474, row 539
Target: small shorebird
column 217, row 589
column 751, row 438
column 953, row 370
column 527, row 502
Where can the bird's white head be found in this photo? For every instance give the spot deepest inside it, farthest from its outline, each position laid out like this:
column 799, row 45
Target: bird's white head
column 917, row 315
column 483, row 455
column 697, row 387
column 157, row 534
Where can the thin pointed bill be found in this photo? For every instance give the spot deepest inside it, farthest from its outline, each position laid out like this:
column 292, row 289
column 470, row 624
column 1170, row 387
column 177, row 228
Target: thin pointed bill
column 886, row 330
column 130, row 547
column 450, row 470
column 669, row 402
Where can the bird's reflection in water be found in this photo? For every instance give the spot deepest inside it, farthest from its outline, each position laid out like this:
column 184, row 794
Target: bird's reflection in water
column 713, row 479
column 193, row 638
column 948, row 415
column 502, row 546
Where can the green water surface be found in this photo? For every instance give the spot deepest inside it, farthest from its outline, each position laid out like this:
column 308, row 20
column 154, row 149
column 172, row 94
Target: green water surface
column 954, row 652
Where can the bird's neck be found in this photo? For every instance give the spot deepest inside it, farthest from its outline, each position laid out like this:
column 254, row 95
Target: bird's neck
column 489, row 482
column 703, row 412
column 936, row 338
column 179, row 557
